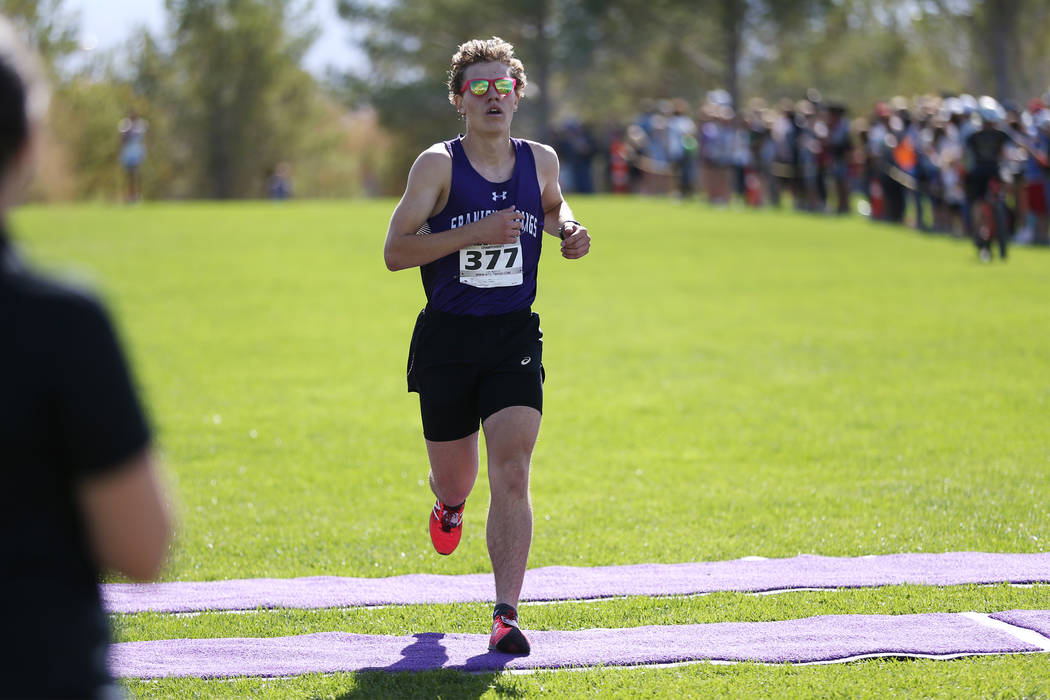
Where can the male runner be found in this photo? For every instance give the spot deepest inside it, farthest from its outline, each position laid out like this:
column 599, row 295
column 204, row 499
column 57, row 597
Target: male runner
column 984, row 153
column 471, row 219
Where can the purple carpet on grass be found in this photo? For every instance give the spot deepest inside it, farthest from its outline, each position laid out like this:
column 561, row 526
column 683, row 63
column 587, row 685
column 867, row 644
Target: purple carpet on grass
column 580, row 583
column 814, row 639
column 1035, row 620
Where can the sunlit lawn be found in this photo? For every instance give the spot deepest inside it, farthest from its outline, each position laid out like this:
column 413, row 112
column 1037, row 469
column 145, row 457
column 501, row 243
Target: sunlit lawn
column 719, row 384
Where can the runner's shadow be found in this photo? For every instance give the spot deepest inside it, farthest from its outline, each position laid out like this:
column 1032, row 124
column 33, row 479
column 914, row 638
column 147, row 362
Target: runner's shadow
column 423, row 656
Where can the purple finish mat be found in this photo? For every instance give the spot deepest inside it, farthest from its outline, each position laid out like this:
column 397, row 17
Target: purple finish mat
column 814, row 639
column 1035, row 620
column 582, row 583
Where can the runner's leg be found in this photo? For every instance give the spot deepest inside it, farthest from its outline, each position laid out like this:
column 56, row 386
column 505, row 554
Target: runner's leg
column 510, row 435
column 453, row 468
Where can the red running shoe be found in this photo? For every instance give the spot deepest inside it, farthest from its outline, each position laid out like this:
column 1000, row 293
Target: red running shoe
column 506, row 636
column 446, row 527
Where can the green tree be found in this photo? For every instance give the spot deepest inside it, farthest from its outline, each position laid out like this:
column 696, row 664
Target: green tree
column 865, row 50
column 79, row 146
column 858, row 51
column 410, row 44
column 241, row 101
column 49, row 27
column 595, row 60
column 733, row 25
column 582, row 58
column 1008, row 42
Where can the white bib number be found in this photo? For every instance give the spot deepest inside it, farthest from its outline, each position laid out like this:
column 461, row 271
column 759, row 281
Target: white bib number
column 491, row 265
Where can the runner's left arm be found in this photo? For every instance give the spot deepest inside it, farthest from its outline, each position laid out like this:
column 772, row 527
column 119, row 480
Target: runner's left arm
column 557, row 216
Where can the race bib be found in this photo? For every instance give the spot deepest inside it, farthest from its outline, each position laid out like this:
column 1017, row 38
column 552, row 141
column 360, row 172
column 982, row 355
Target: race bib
column 491, row 265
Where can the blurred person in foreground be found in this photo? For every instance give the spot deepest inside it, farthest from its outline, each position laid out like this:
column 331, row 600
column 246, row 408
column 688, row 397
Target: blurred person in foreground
column 81, row 492
column 472, row 219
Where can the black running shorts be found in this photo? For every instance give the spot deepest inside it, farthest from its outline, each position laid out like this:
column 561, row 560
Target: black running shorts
column 465, row 368
column 977, row 182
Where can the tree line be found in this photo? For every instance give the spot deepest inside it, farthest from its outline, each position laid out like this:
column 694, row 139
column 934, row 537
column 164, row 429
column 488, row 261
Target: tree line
column 227, row 99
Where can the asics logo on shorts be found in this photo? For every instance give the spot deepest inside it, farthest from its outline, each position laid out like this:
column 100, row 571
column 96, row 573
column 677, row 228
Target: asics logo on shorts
column 526, row 361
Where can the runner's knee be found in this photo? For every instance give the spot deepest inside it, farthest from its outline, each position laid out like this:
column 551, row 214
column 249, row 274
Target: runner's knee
column 510, row 478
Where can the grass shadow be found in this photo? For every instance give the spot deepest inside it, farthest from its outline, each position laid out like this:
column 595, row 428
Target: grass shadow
column 414, row 675
column 426, row 684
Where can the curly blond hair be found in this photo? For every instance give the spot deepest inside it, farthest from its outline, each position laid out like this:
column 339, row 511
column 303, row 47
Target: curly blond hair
column 483, row 51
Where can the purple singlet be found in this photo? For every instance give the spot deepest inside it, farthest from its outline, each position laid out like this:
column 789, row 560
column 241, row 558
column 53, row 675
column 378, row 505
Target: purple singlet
column 485, row 280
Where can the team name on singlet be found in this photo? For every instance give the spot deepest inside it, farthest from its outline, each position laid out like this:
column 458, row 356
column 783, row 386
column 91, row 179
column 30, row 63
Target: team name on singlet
column 530, row 225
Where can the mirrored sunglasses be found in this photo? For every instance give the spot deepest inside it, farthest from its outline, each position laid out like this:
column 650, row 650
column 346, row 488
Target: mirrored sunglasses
column 480, row 86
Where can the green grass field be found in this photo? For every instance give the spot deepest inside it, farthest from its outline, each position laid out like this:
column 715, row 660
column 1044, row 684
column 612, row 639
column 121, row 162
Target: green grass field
column 719, row 384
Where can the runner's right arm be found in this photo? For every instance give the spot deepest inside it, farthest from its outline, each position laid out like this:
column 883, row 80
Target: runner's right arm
column 425, row 195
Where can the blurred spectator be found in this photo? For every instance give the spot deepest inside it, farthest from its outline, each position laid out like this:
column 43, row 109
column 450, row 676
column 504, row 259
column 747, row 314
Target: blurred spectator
column 809, row 132
column 619, row 162
column 636, row 146
column 580, row 151
column 279, row 185
column 80, row 491
column 947, row 158
column 716, row 147
column 656, row 166
column 683, row 146
column 1037, row 172
column 785, row 171
column 909, row 160
column 1013, row 169
column 878, row 132
column 899, row 161
column 132, row 130
column 739, row 154
column 1029, row 159
column 839, row 149
column 759, row 154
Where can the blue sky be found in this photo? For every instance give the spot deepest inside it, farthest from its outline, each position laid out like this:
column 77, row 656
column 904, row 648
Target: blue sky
column 106, row 23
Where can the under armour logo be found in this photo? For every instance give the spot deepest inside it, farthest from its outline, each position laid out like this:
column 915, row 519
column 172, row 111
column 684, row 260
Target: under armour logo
column 526, row 361
column 502, row 196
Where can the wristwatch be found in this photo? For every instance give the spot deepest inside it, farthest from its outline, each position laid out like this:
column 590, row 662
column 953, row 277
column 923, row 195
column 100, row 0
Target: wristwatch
column 561, row 229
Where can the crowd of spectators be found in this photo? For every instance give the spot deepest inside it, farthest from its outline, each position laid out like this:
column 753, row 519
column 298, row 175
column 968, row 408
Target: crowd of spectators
column 932, row 162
